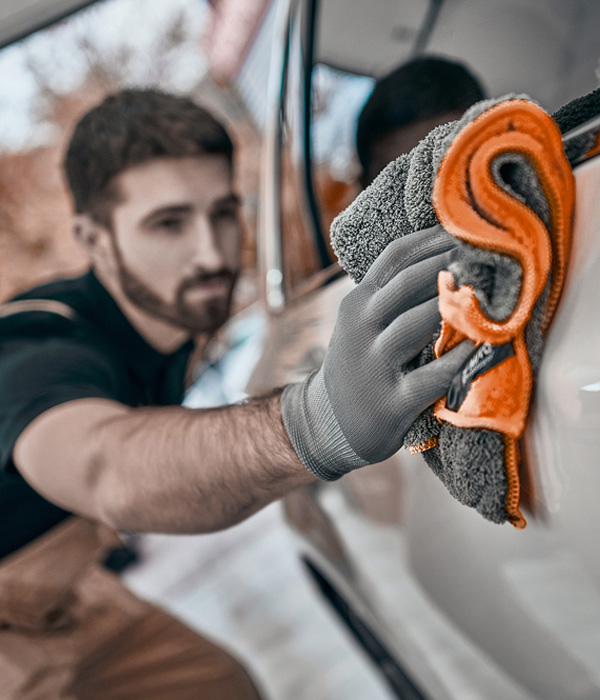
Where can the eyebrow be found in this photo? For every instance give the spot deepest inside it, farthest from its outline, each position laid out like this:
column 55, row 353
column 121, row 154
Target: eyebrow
column 169, row 210
column 174, row 209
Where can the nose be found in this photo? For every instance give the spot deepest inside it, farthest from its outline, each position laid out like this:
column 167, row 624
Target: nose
column 206, row 252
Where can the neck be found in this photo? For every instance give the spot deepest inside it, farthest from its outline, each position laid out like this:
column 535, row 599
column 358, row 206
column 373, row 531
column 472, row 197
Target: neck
column 158, row 333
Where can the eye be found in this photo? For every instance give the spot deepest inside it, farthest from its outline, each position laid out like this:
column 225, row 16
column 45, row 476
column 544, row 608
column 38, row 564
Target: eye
column 225, row 214
column 170, row 224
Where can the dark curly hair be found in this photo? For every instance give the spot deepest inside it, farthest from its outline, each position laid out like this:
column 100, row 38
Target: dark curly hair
column 127, row 129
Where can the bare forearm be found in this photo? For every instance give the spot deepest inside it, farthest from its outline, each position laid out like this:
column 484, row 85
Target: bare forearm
column 185, row 470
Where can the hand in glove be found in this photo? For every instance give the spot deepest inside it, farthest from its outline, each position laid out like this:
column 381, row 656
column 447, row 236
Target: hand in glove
column 357, row 408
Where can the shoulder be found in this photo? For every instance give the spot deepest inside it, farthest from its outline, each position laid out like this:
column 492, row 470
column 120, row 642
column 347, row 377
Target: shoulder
column 65, row 289
column 36, row 317
column 58, row 309
column 67, row 298
column 47, row 340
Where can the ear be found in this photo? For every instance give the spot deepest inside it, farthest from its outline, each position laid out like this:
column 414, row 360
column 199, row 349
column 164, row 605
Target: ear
column 92, row 237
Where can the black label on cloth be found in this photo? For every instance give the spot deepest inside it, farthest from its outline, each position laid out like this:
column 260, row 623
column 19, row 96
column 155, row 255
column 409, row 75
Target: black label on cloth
column 479, row 362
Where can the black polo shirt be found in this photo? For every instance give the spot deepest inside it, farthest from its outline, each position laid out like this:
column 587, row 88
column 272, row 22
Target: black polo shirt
column 47, row 359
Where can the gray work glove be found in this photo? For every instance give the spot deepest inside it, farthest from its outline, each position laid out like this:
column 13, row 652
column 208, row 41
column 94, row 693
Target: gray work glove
column 357, row 408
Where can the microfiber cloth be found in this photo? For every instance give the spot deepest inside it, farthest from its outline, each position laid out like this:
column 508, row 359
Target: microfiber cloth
column 497, row 180
column 574, row 114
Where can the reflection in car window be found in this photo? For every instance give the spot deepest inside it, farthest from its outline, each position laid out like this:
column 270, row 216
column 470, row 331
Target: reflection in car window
column 337, row 100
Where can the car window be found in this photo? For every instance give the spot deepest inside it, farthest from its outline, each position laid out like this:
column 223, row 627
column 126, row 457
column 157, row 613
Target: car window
column 546, row 49
column 337, row 98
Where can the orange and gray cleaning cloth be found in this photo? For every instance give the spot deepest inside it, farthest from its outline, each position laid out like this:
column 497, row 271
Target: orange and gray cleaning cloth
column 500, row 182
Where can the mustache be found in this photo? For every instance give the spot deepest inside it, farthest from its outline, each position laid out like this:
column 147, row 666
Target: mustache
column 224, row 274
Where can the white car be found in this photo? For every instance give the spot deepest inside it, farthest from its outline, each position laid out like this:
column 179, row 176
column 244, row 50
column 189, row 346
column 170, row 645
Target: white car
column 448, row 604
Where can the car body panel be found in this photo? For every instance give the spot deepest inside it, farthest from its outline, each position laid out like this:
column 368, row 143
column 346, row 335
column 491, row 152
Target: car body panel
column 520, row 611
column 470, row 608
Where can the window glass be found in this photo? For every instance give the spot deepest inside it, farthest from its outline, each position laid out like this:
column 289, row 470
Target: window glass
column 337, row 100
column 546, row 49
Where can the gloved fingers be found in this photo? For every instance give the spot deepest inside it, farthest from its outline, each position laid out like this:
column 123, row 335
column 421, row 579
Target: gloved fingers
column 428, row 383
column 406, row 251
column 404, row 339
column 409, row 288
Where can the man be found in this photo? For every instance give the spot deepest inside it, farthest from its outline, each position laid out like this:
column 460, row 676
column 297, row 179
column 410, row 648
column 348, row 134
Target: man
column 91, row 376
column 407, row 104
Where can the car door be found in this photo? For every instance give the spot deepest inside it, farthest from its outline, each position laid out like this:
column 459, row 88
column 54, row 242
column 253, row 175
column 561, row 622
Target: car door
column 449, row 605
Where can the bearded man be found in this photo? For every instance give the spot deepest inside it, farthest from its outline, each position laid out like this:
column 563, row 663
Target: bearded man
column 93, row 438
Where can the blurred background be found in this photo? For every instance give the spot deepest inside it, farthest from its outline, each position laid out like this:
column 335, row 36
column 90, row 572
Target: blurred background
column 218, row 52
column 48, row 80
column 467, row 609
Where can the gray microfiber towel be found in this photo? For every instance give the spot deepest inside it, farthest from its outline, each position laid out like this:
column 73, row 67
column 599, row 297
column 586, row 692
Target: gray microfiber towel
column 470, row 462
column 574, row 114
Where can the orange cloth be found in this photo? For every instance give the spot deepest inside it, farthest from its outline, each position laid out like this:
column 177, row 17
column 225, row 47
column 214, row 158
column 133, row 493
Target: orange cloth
column 472, row 206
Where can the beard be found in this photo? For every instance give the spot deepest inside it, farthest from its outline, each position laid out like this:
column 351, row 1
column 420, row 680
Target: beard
column 206, row 316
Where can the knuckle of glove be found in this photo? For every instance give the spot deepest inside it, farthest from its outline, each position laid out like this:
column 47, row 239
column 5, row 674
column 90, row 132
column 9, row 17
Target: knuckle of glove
column 412, row 399
column 385, row 356
column 356, row 300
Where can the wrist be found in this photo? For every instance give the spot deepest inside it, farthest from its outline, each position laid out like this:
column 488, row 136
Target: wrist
column 314, row 432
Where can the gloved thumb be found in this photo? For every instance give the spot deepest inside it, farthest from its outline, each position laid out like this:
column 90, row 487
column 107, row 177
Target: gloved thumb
column 425, row 385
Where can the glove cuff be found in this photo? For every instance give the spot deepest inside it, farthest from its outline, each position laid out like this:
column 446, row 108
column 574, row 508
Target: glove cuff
column 314, row 431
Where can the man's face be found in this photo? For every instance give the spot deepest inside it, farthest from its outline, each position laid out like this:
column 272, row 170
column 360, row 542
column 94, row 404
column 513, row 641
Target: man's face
column 176, row 239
